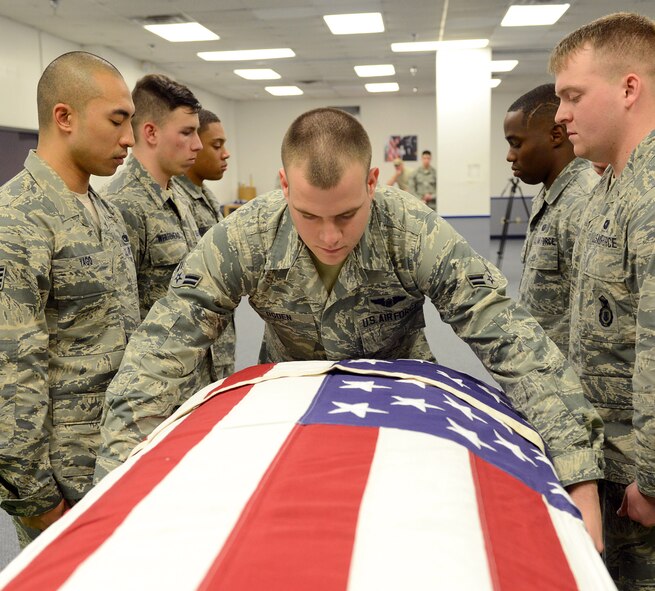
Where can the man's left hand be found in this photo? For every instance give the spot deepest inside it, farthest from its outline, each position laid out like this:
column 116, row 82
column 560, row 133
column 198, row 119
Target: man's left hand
column 637, row 506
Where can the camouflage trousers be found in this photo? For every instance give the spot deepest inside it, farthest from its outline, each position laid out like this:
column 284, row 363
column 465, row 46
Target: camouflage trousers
column 629, row 547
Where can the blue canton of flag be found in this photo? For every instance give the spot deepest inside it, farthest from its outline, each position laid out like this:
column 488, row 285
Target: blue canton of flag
column 384, row 401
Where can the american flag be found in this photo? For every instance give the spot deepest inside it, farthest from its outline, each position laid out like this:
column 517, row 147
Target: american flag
column 362, row 474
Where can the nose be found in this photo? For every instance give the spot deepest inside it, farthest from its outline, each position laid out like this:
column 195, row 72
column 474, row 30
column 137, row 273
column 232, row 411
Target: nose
column 329, row 234
column 196, row 144
column 127, row 140
column 562, row 115
column 226, row 154
column 511, row 156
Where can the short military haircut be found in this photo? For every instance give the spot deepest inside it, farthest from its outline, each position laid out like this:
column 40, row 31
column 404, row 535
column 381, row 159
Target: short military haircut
column 69, row 79
column 539, row 104
column 326, row 141
column 206, row 118
column 424, row 152
column 155, row 96
column 624, row 41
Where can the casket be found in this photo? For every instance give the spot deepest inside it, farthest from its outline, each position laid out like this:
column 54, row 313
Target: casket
column 359, row 475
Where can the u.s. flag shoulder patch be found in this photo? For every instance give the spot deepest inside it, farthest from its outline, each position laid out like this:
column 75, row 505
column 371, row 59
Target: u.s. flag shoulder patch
column 181, row 279
column 3, row 272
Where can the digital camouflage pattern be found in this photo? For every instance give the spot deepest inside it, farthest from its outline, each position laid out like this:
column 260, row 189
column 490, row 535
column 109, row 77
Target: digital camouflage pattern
column 375, row 310
column 206, row 211
column 613, row 315
column 159, row 224
column 548, row 249
column 423, row 181
column 68, row 304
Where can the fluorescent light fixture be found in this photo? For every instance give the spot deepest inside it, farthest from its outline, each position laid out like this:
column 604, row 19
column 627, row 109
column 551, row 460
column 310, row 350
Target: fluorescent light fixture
column 245, row 55
column 180, row 32
column 353, row 24
column 258, row 74
column 371, row 71
column 494, row 82
column 503, row 65
column 283, row 90
column 382, row 87
column 533, row 15
column 437, row 45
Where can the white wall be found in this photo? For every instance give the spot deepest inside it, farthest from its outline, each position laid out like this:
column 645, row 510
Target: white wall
column 261, row 127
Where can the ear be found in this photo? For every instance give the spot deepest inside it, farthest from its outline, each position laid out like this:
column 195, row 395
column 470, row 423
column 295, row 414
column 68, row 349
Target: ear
column 372, row 181
column 149, row 132
column 62, row 115
column 558, row 135
column 632, row 87
column 284, row 183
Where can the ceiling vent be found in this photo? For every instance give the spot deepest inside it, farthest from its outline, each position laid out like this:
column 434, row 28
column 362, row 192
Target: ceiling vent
column 162, row 19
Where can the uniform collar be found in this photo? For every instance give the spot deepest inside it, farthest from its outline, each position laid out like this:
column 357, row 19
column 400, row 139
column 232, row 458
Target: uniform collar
column 52, row 185
column 158, row 193
column 564, row 178
column 189, row 187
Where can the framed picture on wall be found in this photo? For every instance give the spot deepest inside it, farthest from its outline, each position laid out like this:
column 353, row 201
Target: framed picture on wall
column 401, row 146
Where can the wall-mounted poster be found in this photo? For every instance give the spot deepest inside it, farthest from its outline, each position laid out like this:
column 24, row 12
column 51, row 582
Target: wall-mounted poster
column 401, row 146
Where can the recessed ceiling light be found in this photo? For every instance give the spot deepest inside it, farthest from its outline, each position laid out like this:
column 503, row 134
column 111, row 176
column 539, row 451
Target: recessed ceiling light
column 370, row 71
column 437, row 45
column 283, row 90
column 494, row 82
column 353, row 24
column 258, row 74
column 382, row 87
column 180, row 32
column 245, row 55
column 503, row 65
column 533, row 15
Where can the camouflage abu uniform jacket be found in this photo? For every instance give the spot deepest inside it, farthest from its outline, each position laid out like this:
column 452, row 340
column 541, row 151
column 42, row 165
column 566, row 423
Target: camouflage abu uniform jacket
column 206, row 211
column 423, row 181
column 553, row 227
column 613, row 315
column 375, row 310
column 68, row 303
column 160, row 226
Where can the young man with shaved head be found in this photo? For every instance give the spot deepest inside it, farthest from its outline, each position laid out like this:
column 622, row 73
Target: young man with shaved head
column 68, row 294
column 605, row 78
column 340, row 269
column 540, row 152
column 159, row 222
column 210, row 165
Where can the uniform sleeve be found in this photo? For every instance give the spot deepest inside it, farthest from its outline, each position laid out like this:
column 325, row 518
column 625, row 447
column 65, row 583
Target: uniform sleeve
column 469, row 293
column 641, row 237
column 158, row 371
column 27, row 485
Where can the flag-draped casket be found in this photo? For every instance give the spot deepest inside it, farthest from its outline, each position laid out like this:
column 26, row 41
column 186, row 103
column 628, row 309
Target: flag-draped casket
column 358, row 475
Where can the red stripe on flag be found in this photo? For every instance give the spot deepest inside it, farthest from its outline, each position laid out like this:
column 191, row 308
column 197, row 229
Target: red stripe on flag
column 56, row 562
column 298, row 529
column 523, row 548
column 249, row 373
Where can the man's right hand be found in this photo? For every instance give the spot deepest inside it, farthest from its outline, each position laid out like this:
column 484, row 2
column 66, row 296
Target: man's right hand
column 46, row 519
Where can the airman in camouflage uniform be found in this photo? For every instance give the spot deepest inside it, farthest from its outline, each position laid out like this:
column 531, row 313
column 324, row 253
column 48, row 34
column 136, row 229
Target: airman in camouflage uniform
column 613, row 305
column 68, row 295
column 210, row 164
column 423, row 181
column 160, row 226
column 389, row 252
column 540, row 152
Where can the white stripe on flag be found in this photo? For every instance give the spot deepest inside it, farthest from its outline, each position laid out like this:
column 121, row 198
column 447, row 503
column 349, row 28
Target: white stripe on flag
column 421, row 514
column 170, row 545
column 586, row 564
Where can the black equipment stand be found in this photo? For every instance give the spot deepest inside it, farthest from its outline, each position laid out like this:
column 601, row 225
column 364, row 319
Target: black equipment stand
column 514, row 188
